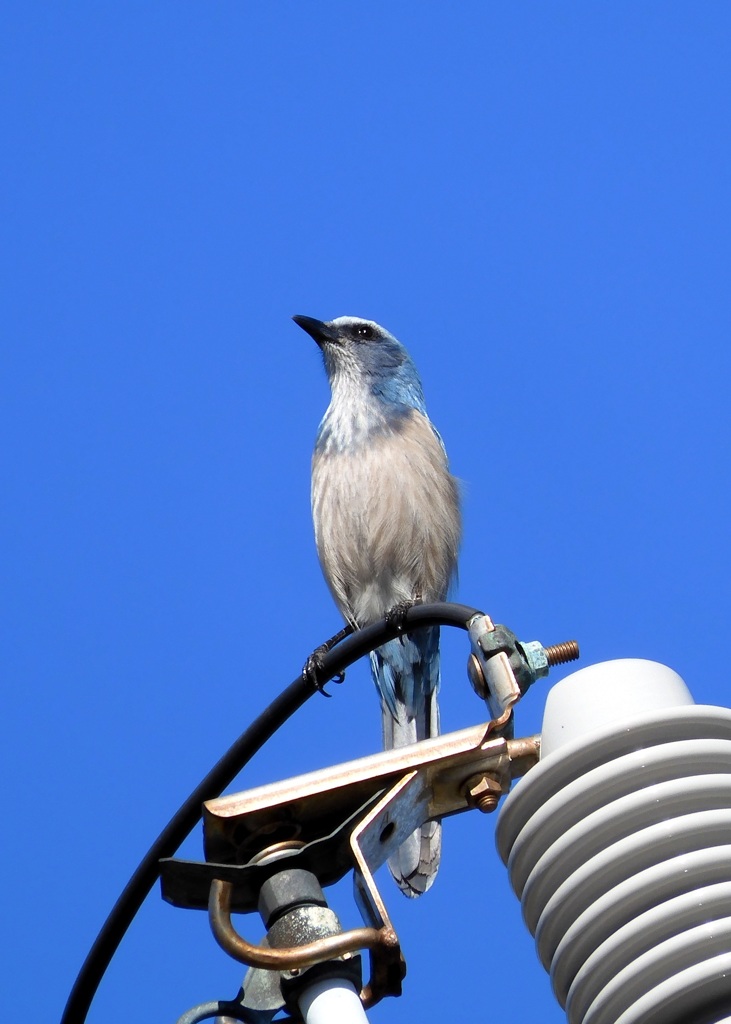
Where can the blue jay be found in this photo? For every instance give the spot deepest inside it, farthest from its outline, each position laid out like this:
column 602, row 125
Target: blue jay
column 387, row 527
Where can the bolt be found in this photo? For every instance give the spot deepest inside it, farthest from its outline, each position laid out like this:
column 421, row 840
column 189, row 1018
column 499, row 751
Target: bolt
column 559, row 654
column 483, row 792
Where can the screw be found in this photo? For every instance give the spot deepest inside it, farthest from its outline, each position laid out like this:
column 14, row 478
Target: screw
column 483, row 792
column 559, row 654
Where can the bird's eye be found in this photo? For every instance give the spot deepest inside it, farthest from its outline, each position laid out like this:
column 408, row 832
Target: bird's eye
column 364, row 331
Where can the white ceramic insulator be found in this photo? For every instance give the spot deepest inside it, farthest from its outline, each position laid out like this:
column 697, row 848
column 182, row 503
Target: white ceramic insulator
column 332, row 1001
column 618, row 844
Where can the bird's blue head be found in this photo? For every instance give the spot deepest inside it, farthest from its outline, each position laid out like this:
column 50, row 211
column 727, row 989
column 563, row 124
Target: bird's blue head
column 362, row 356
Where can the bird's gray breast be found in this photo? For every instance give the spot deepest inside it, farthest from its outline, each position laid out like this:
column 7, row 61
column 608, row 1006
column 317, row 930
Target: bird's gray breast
column 386, row 516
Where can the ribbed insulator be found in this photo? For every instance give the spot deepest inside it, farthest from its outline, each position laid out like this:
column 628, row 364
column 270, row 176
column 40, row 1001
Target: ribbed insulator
column 618, row 844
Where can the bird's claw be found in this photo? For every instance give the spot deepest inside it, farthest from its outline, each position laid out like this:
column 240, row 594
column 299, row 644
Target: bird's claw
column 313, row 667
column 396, row 616
column 315, row 664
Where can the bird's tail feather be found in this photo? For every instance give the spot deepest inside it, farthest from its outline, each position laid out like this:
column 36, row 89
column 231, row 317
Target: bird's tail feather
column 414, row 865
column 406, row 672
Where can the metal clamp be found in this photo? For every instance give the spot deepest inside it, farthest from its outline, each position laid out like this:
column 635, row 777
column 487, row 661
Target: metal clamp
column 501, row 667
column 292, row 957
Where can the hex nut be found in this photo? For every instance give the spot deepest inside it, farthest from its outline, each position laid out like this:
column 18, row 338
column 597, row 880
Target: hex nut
column 483, row 792
column 292, row 887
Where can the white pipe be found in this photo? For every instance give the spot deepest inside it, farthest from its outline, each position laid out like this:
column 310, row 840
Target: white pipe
column 618, row 842
column 332, row 1001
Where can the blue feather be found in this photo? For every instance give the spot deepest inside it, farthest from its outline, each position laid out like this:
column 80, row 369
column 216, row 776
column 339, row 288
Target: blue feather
column 406, row 670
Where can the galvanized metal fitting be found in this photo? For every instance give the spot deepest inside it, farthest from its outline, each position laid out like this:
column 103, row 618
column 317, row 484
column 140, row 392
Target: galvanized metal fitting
column 286, row 890
column 501, row 667
column 306, row 936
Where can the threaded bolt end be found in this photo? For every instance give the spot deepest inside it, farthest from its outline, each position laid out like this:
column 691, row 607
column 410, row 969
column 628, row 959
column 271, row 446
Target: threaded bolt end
column 559, row 654
column 487, row 803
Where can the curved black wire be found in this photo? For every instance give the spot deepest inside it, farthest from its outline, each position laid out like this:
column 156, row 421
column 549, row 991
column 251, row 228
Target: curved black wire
column 223, row 773
column 216, row 1008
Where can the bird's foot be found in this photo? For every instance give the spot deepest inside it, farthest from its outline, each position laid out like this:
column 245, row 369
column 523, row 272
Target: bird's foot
column 315, row 664
column 313, row 669
column 396, row 616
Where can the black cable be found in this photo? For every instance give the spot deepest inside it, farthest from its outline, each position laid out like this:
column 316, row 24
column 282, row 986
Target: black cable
column 365, row 640
column 171, row 837
column 222, row 774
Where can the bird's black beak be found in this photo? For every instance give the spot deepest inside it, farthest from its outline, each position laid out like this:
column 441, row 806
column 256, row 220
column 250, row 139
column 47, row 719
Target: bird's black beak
column 317, row 329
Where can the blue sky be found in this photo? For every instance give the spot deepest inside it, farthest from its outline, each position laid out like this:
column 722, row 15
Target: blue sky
column 535, row 199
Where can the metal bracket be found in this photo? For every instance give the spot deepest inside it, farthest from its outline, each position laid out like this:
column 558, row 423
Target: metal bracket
column 352, row 816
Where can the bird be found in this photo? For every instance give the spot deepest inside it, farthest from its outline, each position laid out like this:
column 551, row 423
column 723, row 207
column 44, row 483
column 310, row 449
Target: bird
column 387, row 520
